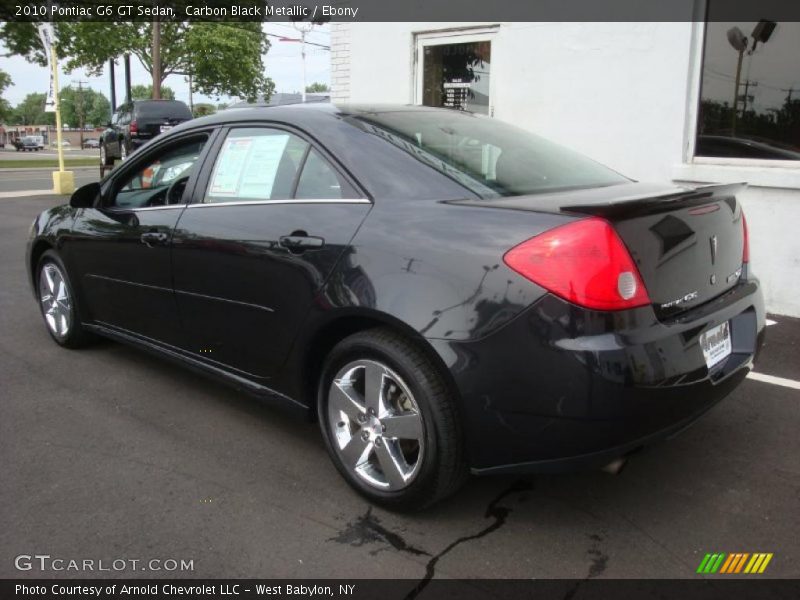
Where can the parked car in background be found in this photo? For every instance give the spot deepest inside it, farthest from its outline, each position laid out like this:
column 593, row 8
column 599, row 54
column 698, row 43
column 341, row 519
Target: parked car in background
column 28, row 143
column 446, row 292
column 64, row 144
column 91, row 143
column 138, row 122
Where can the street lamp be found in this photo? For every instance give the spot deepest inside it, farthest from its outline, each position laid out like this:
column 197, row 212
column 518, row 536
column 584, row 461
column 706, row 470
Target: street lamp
column 761, row 33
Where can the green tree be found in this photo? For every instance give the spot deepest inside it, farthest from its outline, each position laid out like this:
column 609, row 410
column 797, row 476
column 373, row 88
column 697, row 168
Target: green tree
column 202, row 109
column 87, row 103
column 5, row 106
column 224, row 58
column 145, row 92
column 31, row 111
column 317, row 87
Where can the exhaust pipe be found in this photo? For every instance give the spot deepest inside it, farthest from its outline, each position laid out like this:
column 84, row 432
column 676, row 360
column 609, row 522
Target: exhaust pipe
column 615, row 466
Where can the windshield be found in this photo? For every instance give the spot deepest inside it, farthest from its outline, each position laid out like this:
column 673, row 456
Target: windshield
column 489, row 157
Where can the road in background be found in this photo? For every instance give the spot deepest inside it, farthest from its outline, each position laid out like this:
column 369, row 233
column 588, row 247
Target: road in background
column 109, row 452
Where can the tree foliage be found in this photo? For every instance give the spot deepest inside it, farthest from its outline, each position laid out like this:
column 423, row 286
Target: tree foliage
column 31, row 111
column 5, row 106
column 317, row 87
column 145, row 92
column 224, row 58
column 94, row 107
column 202, row 109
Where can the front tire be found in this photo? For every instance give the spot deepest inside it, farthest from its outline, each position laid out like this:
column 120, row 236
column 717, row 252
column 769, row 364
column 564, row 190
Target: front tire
column 105, row 159
column 58, row 304
column 389, row 421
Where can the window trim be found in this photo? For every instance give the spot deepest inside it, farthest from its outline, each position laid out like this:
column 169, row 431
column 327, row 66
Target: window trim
column 442, row 37
column 201, row 185
column 111, row 185
column 757, row 171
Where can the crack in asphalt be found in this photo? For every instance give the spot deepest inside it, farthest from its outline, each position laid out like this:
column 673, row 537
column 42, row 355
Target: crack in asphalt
column 494, row 511
column 367, row 529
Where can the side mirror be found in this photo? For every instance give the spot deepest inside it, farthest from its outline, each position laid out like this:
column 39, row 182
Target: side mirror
column 85, row 196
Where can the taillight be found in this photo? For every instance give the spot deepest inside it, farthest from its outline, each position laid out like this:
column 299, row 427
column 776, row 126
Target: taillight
column 584, row 262
column 746, row 234
column 134, row 127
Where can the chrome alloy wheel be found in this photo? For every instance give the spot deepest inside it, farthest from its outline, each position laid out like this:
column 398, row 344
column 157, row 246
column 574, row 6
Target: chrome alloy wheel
column 54, row 296
column 375, row 424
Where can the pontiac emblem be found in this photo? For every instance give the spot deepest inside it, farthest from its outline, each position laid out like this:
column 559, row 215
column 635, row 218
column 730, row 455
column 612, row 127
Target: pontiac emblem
column 713, row 241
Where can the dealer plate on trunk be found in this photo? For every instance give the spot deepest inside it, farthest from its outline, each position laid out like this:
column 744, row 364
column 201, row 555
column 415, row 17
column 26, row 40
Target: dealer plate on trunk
column 716, row 344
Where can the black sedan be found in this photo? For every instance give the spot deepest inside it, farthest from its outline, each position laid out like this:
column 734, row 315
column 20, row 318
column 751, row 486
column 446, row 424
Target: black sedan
column 447, row 293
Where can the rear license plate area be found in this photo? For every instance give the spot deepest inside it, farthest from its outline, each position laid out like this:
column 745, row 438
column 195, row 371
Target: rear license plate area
column 716, row 344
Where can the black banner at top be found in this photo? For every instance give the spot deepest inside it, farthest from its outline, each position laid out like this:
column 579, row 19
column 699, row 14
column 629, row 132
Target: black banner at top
column 400, row 10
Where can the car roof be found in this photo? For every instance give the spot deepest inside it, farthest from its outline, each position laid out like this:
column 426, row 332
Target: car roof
column 392, row 171
column 301, row 113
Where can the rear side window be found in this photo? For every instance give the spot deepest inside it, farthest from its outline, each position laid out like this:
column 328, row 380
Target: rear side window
column 163, row 109
column 319, row 180
column 257, row 164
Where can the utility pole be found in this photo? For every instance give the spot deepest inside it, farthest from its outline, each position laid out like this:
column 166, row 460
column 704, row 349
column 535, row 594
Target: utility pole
column 127, row 61
column 303, row 28
column 113, row 88
column 747, row 84
column 156, row 60
column 80, row 108
column 191, row 94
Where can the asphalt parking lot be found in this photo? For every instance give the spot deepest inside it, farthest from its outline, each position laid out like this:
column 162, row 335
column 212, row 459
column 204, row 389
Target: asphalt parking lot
column 110, row 453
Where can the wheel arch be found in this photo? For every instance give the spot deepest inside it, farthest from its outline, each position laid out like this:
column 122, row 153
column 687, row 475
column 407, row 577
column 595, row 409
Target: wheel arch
column 39, row 247
column 319, row 343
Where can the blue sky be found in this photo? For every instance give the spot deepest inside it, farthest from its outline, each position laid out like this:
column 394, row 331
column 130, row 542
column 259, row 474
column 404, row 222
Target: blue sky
column 282, row 64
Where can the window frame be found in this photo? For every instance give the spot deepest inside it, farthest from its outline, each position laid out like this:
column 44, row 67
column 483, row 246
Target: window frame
column 202, row 182
column 757, row 171
column 115, row 181
column 444, row 37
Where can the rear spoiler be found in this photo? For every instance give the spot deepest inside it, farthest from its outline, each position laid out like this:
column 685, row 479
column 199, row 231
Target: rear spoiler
column 649, row 203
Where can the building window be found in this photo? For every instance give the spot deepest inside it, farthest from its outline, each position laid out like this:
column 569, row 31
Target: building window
column 457, row 75
column 750, row 91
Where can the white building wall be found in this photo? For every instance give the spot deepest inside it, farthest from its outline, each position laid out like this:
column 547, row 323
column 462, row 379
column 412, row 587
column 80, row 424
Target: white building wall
column 622, row 93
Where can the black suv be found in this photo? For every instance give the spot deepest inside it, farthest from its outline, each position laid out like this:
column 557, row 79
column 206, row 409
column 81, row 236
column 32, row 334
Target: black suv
column 136, row 123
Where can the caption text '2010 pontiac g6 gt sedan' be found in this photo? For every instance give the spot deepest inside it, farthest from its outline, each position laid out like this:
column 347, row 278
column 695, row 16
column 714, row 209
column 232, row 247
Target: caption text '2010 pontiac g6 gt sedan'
column 447, row 293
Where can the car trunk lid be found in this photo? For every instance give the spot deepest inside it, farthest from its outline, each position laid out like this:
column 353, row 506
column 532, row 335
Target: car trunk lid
column 686, row 242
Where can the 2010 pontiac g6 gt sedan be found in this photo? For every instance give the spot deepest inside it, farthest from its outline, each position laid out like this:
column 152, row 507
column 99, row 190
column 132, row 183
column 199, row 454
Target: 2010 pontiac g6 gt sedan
column 447, row 293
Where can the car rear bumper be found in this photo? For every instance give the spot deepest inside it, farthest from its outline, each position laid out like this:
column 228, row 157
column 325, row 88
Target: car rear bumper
column 563, row 388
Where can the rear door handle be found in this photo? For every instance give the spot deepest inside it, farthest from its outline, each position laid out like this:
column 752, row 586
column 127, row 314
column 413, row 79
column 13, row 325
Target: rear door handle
column 299, row 242
column 154, row 238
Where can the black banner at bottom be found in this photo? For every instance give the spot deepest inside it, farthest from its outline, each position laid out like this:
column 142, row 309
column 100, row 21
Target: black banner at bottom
column 364, row 589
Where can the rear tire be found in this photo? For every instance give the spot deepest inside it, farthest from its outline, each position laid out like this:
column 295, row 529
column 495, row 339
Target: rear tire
column 424, row 461
column 105, row 159
column 58, row 304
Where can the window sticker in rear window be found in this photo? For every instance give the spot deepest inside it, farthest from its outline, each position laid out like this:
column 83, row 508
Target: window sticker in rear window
column 246, row 168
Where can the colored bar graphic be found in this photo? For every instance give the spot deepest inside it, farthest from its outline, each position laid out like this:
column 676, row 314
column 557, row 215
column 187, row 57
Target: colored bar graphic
column 734, row 563
column 703, row 563
column 764, row 564
column 727, row 564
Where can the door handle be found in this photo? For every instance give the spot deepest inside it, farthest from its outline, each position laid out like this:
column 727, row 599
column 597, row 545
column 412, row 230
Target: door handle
column 154, row 238
column 300, row 242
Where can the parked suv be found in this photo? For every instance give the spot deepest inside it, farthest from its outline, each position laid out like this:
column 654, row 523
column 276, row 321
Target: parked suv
column 136, row 123
column 27, row 143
